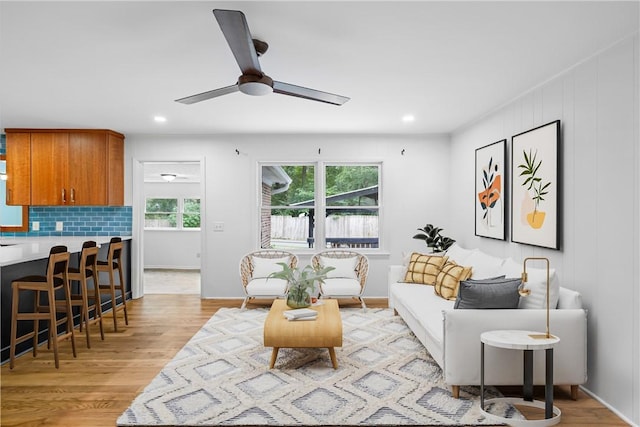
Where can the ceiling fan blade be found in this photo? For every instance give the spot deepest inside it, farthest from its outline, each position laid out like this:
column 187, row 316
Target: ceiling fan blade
column 208, row 95
column 306, row 93
column 235, row 29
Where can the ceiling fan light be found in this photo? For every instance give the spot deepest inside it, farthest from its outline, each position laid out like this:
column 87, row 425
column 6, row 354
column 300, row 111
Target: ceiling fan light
column 255, row 85
column 168, row 176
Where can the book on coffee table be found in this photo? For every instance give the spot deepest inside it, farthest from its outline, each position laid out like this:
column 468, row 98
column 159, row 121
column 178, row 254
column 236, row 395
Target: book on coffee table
column 300, row 313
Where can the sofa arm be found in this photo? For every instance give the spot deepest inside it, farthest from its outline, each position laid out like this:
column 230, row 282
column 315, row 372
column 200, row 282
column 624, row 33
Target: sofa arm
column 461, row 346
column 394, row 275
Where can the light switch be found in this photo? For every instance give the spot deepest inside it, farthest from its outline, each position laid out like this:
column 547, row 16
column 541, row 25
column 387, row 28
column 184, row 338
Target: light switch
column 218, row 226
column 59, row 225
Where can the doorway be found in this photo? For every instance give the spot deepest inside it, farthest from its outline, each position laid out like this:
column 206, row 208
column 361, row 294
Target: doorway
column 172, row 233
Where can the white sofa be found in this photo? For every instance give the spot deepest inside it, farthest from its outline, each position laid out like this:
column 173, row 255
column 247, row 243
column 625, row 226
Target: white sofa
column 452, row 336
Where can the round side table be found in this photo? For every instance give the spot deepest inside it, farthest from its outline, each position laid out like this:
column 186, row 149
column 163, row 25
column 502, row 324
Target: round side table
column 528, row 342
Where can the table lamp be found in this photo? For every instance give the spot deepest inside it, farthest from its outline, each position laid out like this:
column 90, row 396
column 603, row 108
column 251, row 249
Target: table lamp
column 525, row 292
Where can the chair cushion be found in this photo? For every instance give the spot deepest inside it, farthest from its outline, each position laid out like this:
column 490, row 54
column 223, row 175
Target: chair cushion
column 340, row 286
column 263, row 267
column 266, row 287
column 344, row 267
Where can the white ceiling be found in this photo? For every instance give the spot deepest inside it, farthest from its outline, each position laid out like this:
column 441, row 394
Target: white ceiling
column 118, row 64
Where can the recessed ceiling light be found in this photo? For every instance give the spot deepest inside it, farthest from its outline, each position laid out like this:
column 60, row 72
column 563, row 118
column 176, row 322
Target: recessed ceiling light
column 160, row 119
column 408, row 118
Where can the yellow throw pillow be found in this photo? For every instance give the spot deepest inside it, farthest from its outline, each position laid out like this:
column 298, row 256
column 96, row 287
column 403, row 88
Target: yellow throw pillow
column 448, row 280
column 424, row 268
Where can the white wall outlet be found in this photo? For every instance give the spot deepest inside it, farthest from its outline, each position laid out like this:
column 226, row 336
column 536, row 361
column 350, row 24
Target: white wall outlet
column 218, row 226
column 35, row 226
column 59, row 225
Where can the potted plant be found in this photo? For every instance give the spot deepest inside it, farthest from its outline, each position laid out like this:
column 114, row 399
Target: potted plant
column 433, row 239
column 301, row 283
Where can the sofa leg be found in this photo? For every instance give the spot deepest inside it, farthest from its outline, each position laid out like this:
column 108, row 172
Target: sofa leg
column 395, row 312
column 574, row 391
column 455, row 391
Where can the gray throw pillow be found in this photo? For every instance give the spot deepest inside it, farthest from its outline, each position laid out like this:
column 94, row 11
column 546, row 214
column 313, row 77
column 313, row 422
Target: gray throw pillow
column 488, row 293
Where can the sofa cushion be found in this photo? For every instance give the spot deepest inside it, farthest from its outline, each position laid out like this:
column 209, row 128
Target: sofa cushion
column 497, row 294
column 449, row 279
column 484, row 265
column 458, row 254
column 536, row 283
column 424, row 268
column 424, row 305
column 344, row 267
column 263, row 267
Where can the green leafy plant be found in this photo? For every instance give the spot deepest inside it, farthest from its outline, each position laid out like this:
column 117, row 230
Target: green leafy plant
column 433, row 239
column 301, row 280
column 533, row 182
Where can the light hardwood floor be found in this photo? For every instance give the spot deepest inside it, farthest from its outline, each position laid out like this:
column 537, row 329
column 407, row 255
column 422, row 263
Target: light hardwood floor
column 94, row 389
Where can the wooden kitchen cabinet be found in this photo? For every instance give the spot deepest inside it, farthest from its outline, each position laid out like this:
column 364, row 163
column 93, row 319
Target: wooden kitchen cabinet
column 75, row 167
column 18, row 169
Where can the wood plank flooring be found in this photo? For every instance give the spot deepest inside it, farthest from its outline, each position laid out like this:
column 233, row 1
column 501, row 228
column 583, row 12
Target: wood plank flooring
column 96, row 387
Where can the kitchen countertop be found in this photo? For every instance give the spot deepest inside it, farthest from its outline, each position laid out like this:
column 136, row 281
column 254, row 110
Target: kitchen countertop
column 23, row 249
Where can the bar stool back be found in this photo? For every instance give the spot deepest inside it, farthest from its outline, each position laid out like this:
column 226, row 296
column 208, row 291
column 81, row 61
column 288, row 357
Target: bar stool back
column 56, row 279
column 110, row 266
column 87, row 269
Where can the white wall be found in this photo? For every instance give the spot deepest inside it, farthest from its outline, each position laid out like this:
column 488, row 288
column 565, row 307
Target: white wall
column 179, row 249
column 597, row 102
column 414, row 191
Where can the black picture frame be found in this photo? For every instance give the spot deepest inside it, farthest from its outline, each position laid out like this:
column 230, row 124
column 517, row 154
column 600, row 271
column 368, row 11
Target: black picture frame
column 491, row 195
column 536, row 186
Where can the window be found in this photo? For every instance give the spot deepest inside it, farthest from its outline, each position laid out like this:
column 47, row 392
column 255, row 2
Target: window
column 295, row 197
column 172, row 213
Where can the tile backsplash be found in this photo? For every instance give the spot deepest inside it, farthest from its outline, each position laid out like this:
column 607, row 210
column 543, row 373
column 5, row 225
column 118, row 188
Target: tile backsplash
column 78, row 221
column 3, row 144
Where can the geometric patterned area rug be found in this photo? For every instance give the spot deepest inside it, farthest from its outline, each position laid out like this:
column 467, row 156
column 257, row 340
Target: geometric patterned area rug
column 384, row 377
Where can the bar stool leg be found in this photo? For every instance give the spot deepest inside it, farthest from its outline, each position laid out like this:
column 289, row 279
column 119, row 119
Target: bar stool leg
column 14, row 325
column 123, row 293
column 67, row 294
column 53, row 327
column 113, row 300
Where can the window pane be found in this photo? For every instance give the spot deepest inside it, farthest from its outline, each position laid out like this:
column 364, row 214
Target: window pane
column 352, row 185
column 192, row 206
column 162, row 205
column 191, row 220
column 352, row 228
column 160, row 220
column 288, row 230
column 290, row 187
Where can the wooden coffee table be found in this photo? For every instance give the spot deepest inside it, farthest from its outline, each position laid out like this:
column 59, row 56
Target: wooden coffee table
column 325, row 331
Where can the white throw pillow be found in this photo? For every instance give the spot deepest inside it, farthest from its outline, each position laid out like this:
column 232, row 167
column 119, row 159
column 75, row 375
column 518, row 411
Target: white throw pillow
column 263, row 267
column 483, row 266
column 344, row 267
column 536, row 283
column 458, row 254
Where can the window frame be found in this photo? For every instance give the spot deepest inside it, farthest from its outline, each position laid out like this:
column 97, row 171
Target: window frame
column 180, row 212
column 320, row 204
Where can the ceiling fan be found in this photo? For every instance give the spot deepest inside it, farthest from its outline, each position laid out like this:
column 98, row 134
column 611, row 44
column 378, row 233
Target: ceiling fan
column 253, row 81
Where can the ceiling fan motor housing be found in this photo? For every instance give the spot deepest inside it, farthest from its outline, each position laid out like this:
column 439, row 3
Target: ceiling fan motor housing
column 255, row 85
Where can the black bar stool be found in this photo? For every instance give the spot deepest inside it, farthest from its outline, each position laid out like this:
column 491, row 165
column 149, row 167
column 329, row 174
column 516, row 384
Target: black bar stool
column 56, row 279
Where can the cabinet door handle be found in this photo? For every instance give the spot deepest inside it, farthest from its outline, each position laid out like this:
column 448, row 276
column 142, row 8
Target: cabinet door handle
column 73, row 195
column 64, row 196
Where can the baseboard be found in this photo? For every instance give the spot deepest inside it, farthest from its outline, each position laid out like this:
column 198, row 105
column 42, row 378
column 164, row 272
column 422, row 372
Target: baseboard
column 169, row 267
column 611, row 408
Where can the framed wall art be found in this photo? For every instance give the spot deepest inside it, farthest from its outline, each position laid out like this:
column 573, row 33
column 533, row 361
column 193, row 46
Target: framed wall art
column 535, row 186
column 490, row 192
